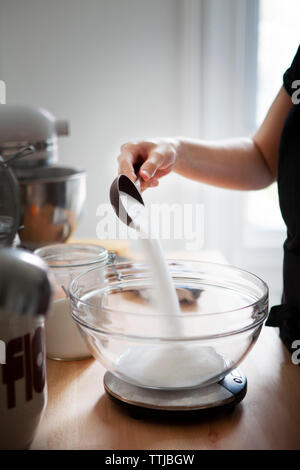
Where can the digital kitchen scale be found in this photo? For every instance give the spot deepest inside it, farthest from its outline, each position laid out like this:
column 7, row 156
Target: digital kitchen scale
column 226, row 393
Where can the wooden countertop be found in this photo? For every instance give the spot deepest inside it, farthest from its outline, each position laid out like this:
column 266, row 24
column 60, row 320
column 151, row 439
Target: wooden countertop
column 80, row 415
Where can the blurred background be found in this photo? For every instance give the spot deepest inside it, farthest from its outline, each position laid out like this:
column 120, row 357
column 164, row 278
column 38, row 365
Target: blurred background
column 135, row 69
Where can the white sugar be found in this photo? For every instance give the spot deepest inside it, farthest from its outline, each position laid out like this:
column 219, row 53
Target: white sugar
column 171, row 366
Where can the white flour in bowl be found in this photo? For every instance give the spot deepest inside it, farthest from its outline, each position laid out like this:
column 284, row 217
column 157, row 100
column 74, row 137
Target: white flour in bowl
column 171, row 366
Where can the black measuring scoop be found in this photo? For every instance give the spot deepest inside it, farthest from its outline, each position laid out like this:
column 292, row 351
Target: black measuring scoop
column 123, row 184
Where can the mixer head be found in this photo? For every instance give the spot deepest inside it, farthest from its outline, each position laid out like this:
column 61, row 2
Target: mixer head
column 24, row 125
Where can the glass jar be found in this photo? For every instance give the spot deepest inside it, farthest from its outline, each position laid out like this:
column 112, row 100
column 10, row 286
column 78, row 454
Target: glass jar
column 66, row 261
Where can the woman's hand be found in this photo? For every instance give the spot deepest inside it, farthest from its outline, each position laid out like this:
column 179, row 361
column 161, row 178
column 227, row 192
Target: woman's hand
column 154, row 158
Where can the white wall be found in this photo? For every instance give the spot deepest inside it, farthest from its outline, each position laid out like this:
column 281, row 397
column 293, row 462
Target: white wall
column 112, row 67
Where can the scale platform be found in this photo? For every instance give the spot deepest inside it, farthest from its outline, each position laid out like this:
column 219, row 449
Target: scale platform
column 226, row 393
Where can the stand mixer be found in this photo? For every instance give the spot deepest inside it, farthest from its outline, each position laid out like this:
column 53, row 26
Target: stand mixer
column 49, row 198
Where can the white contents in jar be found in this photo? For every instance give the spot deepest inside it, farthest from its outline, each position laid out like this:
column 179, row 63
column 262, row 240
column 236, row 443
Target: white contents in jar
column 63, row 340
column 172, row 366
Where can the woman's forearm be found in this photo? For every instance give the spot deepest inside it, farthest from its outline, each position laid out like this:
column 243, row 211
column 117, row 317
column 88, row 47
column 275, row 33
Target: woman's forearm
column 244, row 163
column 235, row 164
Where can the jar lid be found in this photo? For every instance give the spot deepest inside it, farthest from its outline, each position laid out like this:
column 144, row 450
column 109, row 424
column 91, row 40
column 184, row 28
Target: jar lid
column 24, row 283
column 73, row 255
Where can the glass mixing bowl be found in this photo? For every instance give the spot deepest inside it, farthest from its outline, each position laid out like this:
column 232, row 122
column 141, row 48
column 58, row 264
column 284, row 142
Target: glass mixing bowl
column 223, row 309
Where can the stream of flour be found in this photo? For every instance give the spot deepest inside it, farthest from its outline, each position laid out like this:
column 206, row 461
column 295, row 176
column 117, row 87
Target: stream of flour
column 165, row 365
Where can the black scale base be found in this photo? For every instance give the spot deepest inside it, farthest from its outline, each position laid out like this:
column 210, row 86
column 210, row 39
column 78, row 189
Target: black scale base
column 223, row 395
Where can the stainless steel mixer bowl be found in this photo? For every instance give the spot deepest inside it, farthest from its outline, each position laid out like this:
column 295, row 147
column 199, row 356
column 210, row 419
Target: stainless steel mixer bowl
column 52, row 200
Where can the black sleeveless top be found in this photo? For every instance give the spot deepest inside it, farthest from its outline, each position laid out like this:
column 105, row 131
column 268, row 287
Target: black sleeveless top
column 287, row 315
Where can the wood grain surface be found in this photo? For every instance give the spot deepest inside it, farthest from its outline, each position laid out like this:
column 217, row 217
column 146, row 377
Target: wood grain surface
column 80, row 415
